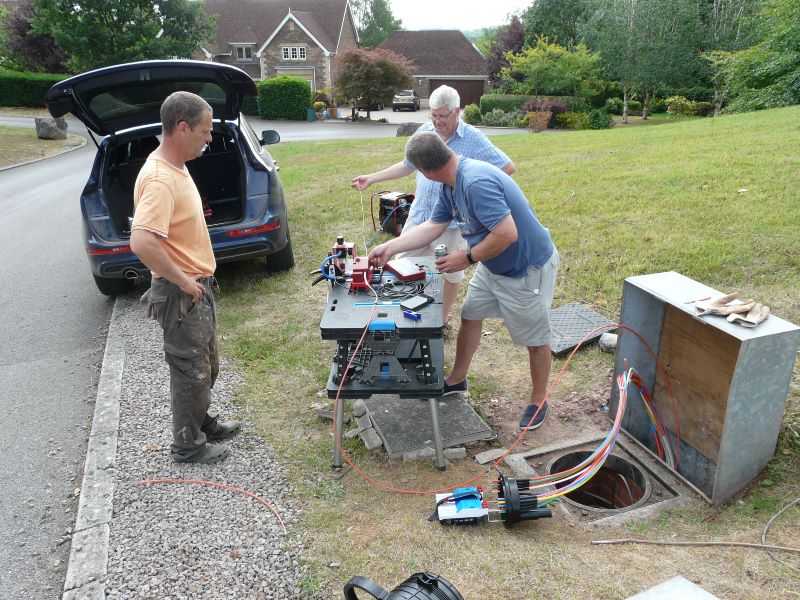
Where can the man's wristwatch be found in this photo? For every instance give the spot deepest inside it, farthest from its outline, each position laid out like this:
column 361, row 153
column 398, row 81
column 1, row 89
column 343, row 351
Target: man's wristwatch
column 471, row 260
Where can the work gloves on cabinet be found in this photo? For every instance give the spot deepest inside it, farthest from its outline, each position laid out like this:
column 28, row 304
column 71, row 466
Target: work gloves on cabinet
column 747, row 313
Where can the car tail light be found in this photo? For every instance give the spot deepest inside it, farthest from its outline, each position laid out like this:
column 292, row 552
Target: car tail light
column 253, row 230
column 103, row 251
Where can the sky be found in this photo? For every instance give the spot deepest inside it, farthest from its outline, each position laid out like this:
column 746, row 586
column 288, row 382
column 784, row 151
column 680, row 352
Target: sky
column 455, row 14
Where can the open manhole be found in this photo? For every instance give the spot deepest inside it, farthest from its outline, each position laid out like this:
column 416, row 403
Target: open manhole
column 648, row 486
column 618, row 485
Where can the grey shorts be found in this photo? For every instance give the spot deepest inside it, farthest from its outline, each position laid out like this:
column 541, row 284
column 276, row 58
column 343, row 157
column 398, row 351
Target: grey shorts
column 523, row 303
column 450, row 238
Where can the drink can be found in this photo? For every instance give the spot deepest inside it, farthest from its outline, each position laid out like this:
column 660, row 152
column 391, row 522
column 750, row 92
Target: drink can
column 440, row 250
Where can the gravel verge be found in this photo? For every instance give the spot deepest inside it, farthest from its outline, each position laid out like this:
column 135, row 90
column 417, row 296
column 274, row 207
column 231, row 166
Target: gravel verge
column 184, row 540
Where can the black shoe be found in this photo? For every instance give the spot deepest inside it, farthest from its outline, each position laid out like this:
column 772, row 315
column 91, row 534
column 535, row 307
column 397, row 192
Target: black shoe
column 456, row 388
column 224, row 430
column 529, row 412
column 207, row 455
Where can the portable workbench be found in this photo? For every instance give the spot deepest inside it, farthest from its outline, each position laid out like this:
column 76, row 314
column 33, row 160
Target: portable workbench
column 398, row 355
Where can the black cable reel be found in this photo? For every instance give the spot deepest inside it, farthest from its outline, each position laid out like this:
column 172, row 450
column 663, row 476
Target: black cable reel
column 420, row 586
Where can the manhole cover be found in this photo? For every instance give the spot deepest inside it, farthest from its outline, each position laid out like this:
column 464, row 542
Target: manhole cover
column 570, row 323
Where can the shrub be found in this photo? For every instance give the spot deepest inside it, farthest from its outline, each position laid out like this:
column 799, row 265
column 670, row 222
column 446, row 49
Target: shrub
column 696, row 93
column 599, row 119
column 635, row 108
column 504, row 102
column 679, row 106
column 284, row 97
column 250, row 106
column 21, row 88
column 322, row 95
column 539, row 120
column 546, row 104
column 703, row 109
column 614, row 106
column 573, row 120
column 319, row 106
column 501, row 118
column 472, row 114
column 658, row 105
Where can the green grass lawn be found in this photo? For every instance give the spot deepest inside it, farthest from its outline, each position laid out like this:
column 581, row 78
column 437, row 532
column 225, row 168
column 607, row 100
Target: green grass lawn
column 713, row 199
column 20, row 144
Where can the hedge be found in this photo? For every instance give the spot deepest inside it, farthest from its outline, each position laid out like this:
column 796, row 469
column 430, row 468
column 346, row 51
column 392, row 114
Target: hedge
column 505, row 102
column 250, row 106
column 22, row 88
column 284, row 97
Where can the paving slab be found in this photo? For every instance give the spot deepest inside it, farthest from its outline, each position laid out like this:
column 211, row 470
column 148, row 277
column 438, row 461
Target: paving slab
column 404, row 424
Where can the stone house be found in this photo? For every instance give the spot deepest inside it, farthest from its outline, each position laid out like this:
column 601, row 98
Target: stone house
column 266, row 38
column 442, row 57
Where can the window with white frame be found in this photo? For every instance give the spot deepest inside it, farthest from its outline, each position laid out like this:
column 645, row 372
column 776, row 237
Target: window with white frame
column 243, row 52
column 294, row 53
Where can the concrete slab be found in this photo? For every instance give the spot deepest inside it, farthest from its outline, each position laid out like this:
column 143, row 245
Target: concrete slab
column 677, row 588
column 405, row 424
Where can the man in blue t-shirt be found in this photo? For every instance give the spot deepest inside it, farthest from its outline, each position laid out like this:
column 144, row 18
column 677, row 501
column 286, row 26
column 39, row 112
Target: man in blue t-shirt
column 463, row 139
column 516, row 274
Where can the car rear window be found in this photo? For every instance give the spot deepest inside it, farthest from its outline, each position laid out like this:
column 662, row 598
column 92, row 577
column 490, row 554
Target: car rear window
column 133, row 99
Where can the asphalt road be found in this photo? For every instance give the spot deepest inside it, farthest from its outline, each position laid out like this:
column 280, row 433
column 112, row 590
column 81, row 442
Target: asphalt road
column 52, row 323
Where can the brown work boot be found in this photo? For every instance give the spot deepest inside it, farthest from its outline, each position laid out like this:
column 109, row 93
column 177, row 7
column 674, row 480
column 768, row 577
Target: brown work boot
column 208, row 454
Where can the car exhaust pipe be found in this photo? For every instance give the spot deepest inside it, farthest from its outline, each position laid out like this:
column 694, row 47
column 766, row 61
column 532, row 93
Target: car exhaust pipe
column 131, row 274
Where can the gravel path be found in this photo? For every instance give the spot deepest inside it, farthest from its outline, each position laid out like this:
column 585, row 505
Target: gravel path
column 183, row 540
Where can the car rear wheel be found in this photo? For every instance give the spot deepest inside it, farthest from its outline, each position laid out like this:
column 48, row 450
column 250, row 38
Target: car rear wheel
column 282, row 260
column 113, row 287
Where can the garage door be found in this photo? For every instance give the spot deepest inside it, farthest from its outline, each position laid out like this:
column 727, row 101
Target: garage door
column 303, row 73
column 470, row 91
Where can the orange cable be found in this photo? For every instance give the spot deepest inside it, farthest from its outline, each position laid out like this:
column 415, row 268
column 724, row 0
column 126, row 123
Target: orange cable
column 219, row 485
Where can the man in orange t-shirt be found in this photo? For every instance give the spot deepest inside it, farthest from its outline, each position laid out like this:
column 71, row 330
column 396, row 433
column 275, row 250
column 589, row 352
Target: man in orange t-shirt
column 170, row 236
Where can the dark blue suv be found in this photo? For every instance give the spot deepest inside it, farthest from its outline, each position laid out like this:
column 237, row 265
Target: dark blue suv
column 238, row 181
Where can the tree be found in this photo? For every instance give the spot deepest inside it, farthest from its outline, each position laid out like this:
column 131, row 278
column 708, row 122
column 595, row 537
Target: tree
column 669, row 54
column 767, row 74
column 375, row 21
column 644, row 44
column 556, row 20
column 98, row 33
column 508, row 38
column 371, row 75
column 552, row 70
column 26, row 51
column 727, row 26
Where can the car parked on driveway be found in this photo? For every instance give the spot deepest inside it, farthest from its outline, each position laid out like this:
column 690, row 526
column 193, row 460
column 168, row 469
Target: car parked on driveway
column 405, row 99
column 238, row 181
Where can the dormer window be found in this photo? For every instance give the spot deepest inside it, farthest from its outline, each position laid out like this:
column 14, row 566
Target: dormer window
column 294, row 52
column 243, row 52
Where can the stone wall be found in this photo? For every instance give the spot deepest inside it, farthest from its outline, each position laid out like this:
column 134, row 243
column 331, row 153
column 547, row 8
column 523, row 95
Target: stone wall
column 314, row 67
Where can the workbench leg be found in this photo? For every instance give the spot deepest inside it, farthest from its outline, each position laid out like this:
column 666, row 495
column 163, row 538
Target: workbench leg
column 437, row 436
column 338, row 421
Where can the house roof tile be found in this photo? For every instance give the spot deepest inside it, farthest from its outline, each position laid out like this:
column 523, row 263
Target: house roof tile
column 437, row 52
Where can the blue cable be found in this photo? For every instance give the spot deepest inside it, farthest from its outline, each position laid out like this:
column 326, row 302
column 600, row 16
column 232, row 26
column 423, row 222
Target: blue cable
column 380, row 229
column 322, row 267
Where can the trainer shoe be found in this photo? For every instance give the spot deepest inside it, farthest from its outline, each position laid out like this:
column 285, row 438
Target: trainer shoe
column 223, row 430
column 208, row 454
column 456, row 388
column 528, row 415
